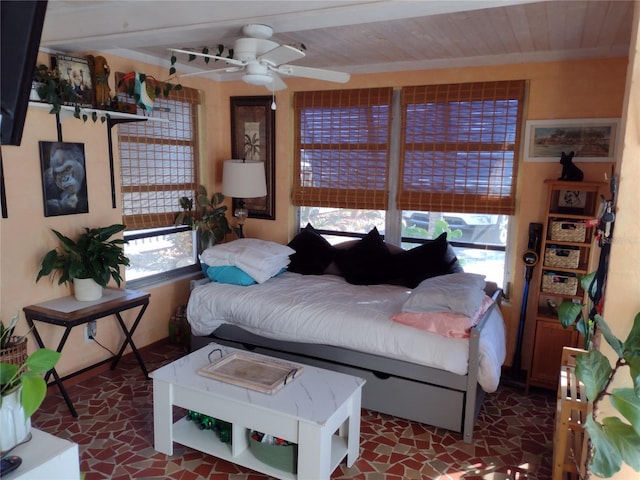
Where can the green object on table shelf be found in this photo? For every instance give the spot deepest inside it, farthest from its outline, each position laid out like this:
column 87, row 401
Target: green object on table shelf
column 205, row 422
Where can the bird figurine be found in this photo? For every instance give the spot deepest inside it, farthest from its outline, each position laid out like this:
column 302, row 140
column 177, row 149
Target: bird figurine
column 140, row 90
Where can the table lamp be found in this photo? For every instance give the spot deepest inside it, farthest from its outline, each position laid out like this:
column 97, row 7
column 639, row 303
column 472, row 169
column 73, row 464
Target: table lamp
column 243, row 179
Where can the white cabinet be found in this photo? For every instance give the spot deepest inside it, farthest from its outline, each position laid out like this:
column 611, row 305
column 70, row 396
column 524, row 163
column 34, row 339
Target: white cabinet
column 46, row 456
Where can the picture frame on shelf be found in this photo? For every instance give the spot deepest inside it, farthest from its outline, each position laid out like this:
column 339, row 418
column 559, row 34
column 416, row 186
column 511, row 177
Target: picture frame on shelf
column 253, row 138
column 77, row 72
column 64, row 180
column 592, row 139
column 572, row 201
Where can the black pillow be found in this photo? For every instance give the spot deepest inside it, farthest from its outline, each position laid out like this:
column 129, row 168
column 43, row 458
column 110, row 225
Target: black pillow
column 433, row 258
column 313, row 252
column 366, row 263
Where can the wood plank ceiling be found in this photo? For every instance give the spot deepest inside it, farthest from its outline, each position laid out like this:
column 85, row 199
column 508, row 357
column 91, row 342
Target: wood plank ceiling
column 352, row 36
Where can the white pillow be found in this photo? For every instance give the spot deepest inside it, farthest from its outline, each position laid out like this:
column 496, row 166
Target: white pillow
column 455, row 292
column 261, row 259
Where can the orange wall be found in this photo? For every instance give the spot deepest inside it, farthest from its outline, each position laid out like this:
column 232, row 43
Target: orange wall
column 622, row 298
column 557, row 90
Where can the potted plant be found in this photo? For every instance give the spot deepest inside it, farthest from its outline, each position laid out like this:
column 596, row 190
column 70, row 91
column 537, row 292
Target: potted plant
column 612, row 441
column 51, row 89
column 93, row 256
column 209, row 220
column 22, row 387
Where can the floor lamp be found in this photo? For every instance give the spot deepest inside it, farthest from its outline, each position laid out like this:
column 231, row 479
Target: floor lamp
column 243, row 179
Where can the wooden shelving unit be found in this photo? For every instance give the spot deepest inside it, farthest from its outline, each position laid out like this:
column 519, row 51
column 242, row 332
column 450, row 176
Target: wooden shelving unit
column 572, row 409
column 566, row 253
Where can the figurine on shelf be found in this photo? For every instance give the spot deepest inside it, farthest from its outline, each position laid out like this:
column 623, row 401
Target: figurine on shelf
column 100, row 76
column 570, row 172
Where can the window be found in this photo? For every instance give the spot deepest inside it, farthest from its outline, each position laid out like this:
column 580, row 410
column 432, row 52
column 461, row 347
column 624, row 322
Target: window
column 453, row 167
column 342, row 148
column 158, row 165
column 459, row 147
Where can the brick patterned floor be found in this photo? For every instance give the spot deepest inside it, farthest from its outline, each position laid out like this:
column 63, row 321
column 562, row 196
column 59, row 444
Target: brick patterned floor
column 114, row 430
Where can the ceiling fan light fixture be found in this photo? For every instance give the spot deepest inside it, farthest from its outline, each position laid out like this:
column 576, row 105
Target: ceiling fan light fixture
column 257, row 79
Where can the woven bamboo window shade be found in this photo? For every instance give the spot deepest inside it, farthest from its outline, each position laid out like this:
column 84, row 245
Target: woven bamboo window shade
column 342, row 148
column 159, row 161
column 459, row 147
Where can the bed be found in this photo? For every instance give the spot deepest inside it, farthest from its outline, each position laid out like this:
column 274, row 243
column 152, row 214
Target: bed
column 345, row 317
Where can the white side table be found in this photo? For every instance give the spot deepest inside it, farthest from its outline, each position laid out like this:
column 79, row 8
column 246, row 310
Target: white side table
column 46, row 456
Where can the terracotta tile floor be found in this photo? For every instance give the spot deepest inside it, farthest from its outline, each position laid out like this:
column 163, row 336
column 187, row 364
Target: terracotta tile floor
column 115, row 434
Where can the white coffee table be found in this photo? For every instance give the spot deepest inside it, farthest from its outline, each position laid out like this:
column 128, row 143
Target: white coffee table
column 319, row 411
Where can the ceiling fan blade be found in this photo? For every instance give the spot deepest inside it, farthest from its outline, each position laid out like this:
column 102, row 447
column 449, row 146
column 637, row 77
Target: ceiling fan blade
column 203, row 72
column 276, row 84
column 281, row 54
column 316, row 73
column 232, row 61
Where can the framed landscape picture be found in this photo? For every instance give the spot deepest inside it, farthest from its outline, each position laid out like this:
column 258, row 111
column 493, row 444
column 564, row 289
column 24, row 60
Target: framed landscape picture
column 592, row 140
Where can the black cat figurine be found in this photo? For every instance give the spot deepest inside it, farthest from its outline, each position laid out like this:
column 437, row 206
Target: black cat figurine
column 570, row 172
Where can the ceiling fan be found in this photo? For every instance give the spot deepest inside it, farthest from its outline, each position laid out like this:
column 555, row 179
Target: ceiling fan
column 263, row 61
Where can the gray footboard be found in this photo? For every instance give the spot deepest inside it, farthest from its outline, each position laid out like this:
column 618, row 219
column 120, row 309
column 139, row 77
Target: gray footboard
column 422, row 394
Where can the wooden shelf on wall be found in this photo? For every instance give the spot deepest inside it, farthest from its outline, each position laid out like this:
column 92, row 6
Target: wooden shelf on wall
column 67, row 111
column 115, row 118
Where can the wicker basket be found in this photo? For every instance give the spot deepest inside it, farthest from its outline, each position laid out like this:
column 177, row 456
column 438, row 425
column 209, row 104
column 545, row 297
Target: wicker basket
column 16, row 354
column 561, row 284
column 564, row 257
column 568, row 231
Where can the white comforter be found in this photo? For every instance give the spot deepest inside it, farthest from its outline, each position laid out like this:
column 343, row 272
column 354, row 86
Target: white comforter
column 327, row 310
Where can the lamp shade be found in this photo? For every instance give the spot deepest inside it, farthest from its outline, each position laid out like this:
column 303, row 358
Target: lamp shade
column 243, row 179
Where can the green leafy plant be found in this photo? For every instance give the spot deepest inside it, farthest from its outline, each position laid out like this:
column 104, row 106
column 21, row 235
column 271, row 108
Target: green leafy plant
column 7, row 339
column 209, row 219
column 93, row 255
column 56, row 91
column 28, row 375
column 611, row 441
column 219, row 52
column 571, row 313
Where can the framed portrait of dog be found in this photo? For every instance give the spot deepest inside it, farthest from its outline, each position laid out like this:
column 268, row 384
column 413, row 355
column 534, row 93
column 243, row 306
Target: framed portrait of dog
column 64, row 180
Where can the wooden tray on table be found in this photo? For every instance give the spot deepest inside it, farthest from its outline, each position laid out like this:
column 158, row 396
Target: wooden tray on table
column 243, row 369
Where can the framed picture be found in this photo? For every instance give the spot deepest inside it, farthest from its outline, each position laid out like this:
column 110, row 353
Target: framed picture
column 253, row 138
column 592, row 140
column 64, row 183
column 572, row 201
column 77, row 73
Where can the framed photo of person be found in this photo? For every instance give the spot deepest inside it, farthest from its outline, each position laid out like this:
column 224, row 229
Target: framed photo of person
column 77, row 73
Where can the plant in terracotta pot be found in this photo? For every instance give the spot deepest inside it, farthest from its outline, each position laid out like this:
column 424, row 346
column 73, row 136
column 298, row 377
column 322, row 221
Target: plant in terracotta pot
column 22, row 386
column 209, row 219
column 93, row 256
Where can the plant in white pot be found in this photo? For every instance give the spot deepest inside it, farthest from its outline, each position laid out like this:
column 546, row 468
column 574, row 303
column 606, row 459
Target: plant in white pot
column 22, row 387
column 92, row 259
